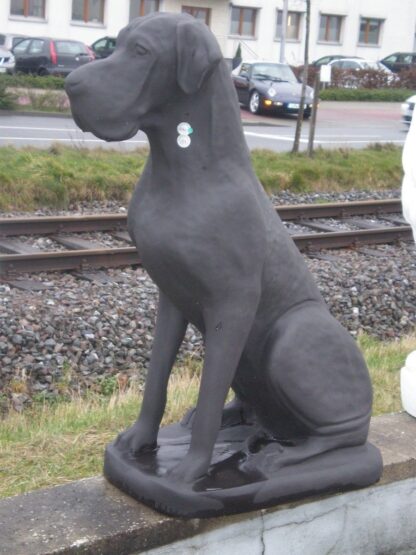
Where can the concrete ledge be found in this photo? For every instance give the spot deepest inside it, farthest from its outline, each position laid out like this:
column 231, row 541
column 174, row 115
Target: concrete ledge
column 91, row 517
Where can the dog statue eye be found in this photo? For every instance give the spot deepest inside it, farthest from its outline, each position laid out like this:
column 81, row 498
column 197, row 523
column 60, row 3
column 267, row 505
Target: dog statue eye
column 141, row 49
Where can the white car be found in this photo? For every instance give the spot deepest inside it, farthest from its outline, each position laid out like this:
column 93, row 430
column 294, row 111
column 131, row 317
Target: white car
column 407, row 109
column 359, row 63
column 7, row 61
column 355, row 64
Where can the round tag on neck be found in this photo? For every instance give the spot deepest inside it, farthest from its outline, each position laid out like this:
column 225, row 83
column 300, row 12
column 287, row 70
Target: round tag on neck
column 184, row 128
column 183, row 141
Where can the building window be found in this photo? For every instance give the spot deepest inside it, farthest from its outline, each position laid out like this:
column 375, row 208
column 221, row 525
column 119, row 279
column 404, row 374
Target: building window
column 202, row 14
column 293, row 25
column 330, row 28
column 370, row 30
column 88, row 11
column 243, row 21
column 28, row 8
column 139, row 8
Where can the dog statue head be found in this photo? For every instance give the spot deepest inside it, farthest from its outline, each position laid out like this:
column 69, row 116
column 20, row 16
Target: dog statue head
column 158, row 58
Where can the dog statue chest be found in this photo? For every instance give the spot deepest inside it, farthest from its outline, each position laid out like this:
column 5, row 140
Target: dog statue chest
column 168, row 237
column 191, row 242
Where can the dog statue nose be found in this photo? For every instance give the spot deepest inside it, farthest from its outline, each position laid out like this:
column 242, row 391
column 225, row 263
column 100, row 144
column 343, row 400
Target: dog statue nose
column 72, row 82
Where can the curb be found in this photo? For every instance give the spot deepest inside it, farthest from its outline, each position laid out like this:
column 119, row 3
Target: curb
column 92, row 517
column 35, row 114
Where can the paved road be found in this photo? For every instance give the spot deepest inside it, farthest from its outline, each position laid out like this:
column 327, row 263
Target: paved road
column 340, row 124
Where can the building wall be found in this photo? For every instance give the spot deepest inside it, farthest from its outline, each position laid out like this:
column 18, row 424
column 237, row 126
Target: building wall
column 398, row 31
column 57, row 22
column 220, row 14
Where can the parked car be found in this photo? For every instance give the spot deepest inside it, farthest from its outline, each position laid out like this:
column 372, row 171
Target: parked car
column 7, row 61
column 408, row 108
column 45, row 56
column 399, row 60
column 103, row 47
column 325, row 60
column 353, row 64
column 9, row 41
column 270, row 86
column 359, row 63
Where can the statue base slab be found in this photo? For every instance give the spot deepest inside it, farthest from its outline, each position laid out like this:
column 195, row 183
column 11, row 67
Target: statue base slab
column 245, row 474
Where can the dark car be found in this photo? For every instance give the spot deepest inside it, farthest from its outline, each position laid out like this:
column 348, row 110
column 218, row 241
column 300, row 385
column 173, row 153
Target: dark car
column 103, row 47
column 270, row 86
column 400, row 60
column 45, row 56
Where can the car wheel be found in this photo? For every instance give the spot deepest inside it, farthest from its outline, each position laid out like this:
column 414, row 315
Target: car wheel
column 42, row 72
column 254, row 104
column 306, row 115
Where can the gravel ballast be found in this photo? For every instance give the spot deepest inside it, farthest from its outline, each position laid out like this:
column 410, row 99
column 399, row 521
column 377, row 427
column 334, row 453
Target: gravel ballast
column 83, row 334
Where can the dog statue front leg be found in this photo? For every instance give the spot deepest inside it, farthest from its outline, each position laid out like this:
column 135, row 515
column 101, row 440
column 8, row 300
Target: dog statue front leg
column 227, row 330
column 169, row 333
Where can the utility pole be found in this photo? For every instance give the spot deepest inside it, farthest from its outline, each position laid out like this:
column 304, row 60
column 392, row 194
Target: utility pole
column 284, row 31
column 312, row 125
column 304, row 80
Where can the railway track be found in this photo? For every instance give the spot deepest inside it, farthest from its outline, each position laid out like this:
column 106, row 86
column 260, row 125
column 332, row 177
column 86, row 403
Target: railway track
column 312, row 226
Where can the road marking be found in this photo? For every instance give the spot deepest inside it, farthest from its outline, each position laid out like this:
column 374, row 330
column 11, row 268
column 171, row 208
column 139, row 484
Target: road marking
column 273, row 137
column 379, row 141
column 361, row 136
column 321, row 141
column 80, row 140
column 40, row 128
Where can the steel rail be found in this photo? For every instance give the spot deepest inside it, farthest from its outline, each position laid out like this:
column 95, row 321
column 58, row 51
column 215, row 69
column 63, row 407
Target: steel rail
column 339, row 209
column 67, row 260
column 11, row 264
column 47, row 225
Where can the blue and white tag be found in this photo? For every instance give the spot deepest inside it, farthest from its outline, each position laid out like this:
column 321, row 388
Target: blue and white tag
column 184, row 129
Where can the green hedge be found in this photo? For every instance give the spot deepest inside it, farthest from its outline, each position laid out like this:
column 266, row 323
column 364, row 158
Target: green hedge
column 6, row 99
column 376, row 95
column 32, row 81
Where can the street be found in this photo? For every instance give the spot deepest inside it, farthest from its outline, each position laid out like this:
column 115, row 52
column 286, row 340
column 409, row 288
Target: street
column 339, row 124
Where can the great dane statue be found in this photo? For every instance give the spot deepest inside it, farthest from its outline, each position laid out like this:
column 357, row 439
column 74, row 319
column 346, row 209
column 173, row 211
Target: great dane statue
column 211, row 240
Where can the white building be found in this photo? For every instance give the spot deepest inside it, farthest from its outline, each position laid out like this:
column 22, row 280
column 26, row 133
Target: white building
column 367, row 28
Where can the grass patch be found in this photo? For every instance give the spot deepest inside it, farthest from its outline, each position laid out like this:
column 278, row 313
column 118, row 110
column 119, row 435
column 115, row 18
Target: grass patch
column 384, row 360
column 55, row 443
column 374, row 167
column 372, row 95
column 51, row 444
column 31, row 178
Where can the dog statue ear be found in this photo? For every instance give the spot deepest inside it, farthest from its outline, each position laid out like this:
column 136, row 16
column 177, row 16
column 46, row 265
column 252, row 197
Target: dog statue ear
column 197, row 54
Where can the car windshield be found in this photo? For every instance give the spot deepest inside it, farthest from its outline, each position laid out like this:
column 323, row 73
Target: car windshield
column 68, row 47
column 274, row 72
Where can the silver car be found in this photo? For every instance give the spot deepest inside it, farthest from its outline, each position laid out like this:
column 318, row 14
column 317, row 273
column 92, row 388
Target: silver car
column 9, row 40
column 7, row 61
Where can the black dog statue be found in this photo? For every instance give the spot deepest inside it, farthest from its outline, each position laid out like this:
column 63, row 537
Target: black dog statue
column 211, row 240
